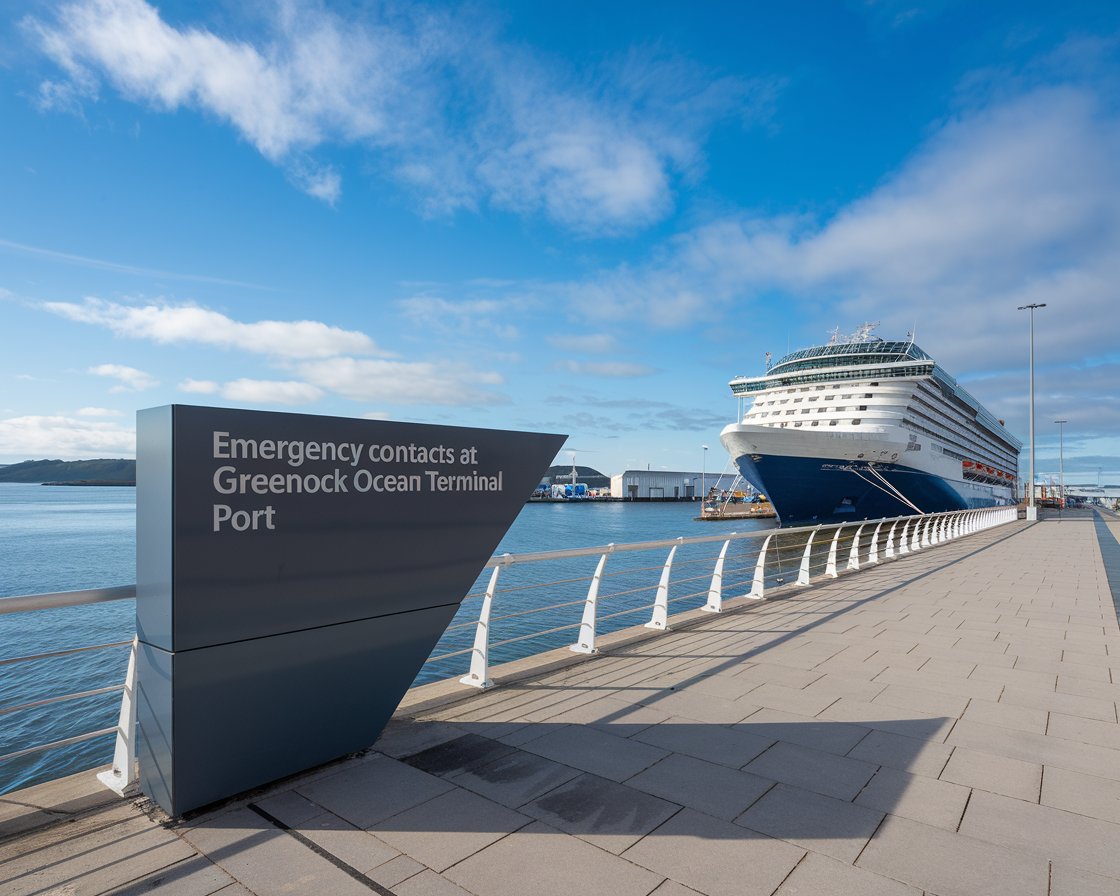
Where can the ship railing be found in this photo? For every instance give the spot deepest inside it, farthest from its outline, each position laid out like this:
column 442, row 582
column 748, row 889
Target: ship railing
column 519, row 609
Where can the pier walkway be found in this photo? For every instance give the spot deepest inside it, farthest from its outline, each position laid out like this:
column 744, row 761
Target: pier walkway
column 944, row 723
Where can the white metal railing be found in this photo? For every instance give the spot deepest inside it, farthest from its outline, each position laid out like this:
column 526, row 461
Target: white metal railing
column 692, row 577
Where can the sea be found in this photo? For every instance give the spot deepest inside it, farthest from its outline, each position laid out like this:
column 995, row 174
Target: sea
column 62, row 538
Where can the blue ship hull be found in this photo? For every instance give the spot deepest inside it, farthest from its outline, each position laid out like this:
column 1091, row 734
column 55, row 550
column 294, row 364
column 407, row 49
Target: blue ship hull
column 811, row 490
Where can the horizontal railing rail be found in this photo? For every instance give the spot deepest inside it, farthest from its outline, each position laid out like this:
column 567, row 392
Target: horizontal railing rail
column 692, row 576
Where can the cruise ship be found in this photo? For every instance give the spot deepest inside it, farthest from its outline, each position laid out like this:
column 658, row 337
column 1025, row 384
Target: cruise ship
column 863, row 428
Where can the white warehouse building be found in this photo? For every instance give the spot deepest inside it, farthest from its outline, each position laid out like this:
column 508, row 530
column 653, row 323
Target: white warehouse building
column 669, row 485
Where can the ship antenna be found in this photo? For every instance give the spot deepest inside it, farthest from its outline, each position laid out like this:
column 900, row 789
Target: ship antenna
column 769, row 361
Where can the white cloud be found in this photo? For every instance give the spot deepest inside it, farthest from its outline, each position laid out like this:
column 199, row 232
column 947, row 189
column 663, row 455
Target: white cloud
column 199, row 387
column 403, row 382
column 99, row 412
column 170, row 324
column 271, row 392
column 252, row 391
column 1002, row 207
column 67, row 438
column 612, row 369
column 129, row 378
column 456, row 114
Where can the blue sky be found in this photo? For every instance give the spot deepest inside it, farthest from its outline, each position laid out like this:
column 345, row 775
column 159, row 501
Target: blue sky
column 581, row 218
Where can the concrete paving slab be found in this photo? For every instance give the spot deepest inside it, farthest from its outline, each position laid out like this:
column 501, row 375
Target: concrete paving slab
column 515, row 778
column 948, row 864
column 359, row 849
column 672, row 888
column 1085, row 731
column 428, row 883
column 701, row 707
column 593, row 750
column 610, row 816
column 994, row 774
column 448, row 828
column 715, row 857
column 822, row 824
column 196, row 876
column 371, row 791
column 101, row 860
column 791, row 728
column 1007, row 715
column 546, row 862
column 813, row 770
column 1054, row 834
column 921, row 699
column 818, row 875
column 396, row 871
column 795, row 700
column 1087, row 758
column 730, row 746
column 1083, row 794
column 908, row 754
column 266, row 860
column 1066, row 881
column 715, row 789
column 918, row 798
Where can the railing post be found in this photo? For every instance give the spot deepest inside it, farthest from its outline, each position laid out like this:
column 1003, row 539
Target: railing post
column 803, row 573
column 904, row 539
column 123, row 775
column 660, row 618
column 758, row 586
column 715, row 590
column 890, row 541
column 830, row 566
column 586, row 642
column 479, row 675
column 853, row 554
column 873, row 556
column 927, row 540
column 916, row 537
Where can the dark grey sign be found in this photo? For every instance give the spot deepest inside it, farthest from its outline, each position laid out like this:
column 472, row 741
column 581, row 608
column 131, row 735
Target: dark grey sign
column 293, row 574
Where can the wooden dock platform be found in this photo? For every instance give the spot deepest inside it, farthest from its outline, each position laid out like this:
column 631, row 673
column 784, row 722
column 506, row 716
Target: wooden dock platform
column 944, row 723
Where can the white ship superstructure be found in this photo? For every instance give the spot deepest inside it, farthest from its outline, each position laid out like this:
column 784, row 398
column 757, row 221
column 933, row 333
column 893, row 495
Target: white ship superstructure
column 863, row 428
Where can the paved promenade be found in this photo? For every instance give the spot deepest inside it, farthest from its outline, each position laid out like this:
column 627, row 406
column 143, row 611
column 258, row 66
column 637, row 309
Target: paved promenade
column 945, row 723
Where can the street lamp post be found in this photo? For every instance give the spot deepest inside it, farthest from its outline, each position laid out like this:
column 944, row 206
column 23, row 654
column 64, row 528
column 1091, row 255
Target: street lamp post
column 1061, row 466
column 704, row 476
column 1032, row 511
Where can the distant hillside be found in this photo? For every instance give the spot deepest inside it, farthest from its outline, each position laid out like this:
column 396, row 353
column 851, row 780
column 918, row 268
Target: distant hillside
column 101, row 470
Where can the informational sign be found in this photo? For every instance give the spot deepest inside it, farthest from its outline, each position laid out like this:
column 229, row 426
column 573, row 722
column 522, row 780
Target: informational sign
column 293, row 574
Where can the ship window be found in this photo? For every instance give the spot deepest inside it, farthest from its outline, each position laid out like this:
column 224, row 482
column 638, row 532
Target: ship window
column 856, row 421
column 863, row 407
column 798, row 400
column 814, row 398
column 867, row 394
column 831, row 422
column 790, row 413
column 798, row 423
column 816, row 423
column 845, row 396
column 782, row 425
column 873, row 384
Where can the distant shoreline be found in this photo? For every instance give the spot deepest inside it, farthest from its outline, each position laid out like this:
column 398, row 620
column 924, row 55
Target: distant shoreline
column 91, row 482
